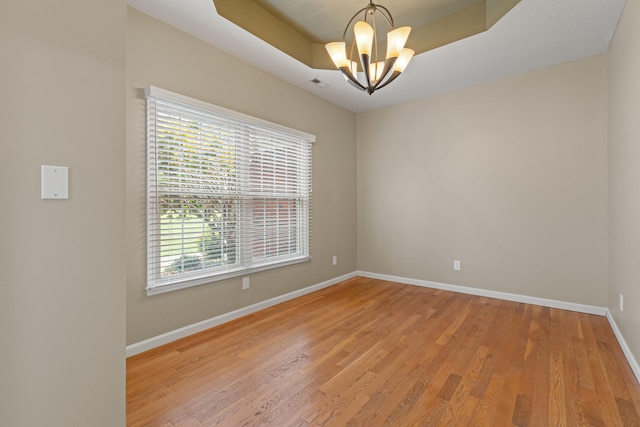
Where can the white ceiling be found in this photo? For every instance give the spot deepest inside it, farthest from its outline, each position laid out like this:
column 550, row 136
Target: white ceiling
column 533, row 35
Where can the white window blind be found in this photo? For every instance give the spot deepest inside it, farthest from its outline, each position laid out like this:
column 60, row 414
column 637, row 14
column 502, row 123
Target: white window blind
column 228, row 194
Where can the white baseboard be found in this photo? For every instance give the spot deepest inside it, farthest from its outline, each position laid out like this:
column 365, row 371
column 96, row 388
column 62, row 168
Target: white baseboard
column 168, row 337
column 625, row 347
column 582, row 308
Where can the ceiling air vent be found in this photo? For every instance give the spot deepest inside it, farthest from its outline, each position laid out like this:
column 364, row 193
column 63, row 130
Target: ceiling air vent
column 319, row 83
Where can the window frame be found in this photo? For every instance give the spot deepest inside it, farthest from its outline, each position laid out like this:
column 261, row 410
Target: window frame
column 155, row 282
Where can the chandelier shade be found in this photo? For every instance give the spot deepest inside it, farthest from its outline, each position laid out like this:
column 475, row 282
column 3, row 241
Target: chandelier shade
column 377, row 74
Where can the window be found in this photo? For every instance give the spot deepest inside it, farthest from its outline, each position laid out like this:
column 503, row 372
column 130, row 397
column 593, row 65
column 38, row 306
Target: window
column 227, row 194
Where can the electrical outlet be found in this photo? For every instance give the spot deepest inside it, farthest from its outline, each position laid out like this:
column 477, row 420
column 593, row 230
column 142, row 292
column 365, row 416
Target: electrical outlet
column 621, row 302
column 456, row 264
column 245, row 283
column 335, row 260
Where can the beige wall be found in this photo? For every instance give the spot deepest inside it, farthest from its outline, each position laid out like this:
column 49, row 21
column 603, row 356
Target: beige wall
column 509, row 177
column 62, row 280
column 624, row 174
column 162, row 56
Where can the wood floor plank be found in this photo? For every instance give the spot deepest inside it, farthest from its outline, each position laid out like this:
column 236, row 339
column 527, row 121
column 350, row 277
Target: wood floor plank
column 488, row 404
column 369, row 352
column 557, row 400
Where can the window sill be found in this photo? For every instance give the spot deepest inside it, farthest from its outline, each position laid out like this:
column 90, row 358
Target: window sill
column 187, row 283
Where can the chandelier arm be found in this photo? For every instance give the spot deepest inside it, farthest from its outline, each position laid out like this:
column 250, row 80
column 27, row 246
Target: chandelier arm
column 393, row 76
column 344, row 35
column 366, row 61
column 374, row 48
column 351, row 79
column 388, row 64
column 356, row 85
column 386, row 14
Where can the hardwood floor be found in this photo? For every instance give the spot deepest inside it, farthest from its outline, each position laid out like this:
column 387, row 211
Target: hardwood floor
column 371, row 353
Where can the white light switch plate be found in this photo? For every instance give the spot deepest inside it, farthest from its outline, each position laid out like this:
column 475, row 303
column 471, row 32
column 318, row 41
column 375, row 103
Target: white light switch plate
column 55, row 182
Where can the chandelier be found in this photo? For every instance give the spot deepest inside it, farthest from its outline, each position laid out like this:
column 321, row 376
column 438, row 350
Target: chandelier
column 377, row 74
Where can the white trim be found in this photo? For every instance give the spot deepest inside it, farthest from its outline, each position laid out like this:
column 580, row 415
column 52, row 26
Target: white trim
column 185, row 331
column 209, row 278
column 563, row 305
column 625, row 347
column 156, row 92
